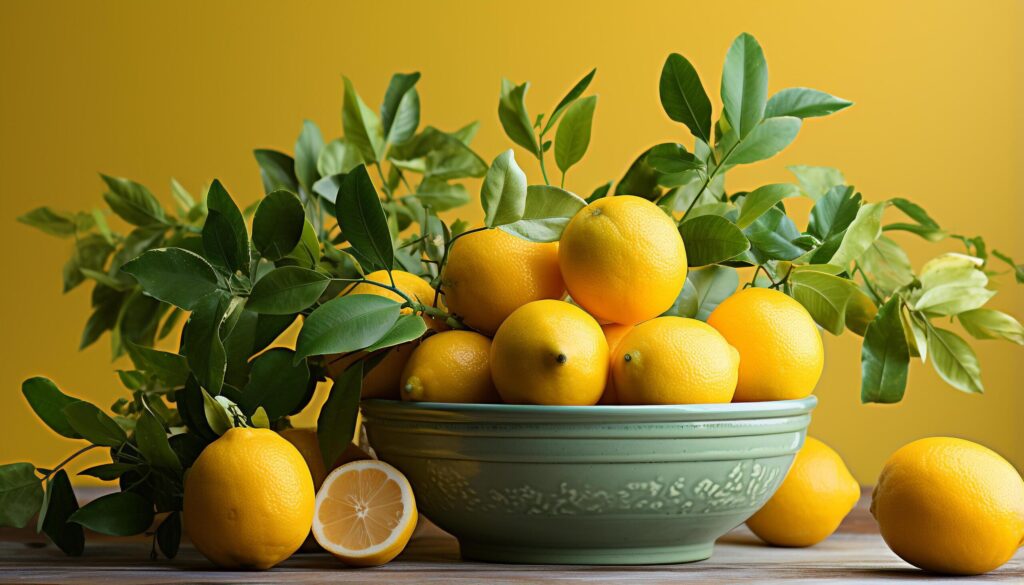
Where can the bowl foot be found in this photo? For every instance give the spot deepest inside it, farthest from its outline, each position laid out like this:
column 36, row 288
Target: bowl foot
column 501, row 553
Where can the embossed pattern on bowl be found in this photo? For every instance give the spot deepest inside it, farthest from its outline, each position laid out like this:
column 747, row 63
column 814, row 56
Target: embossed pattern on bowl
column 592, row 484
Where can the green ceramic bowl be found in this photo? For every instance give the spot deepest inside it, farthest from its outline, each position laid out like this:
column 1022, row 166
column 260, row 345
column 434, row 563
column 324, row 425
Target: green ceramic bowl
column 589, row 484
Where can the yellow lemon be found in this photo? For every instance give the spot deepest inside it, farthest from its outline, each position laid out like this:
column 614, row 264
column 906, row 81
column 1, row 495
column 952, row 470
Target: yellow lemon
column 781, row 355
column 613, row 334
column 384, row 379
column 248, row 500
column 413, row 286
column 453, row 366
column 365, row 513
column 816, row 495
column 622, row 259
column 550, row 352
column 950, row 506
column 490, row 273
column 672, row 360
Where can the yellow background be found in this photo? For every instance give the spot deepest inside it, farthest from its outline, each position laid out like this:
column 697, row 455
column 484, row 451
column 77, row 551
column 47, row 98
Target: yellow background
column 187, row 89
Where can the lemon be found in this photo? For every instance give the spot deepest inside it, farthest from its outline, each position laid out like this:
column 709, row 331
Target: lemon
column 365, row 513
column 816, row 495
column 248, row 500
column 384, row 379
column 622, row 259
column 613, row 334
column 453, row 366
column 673, row 360
column 490, row 273
column 781, row 355
column 950, row 506
column 550, row 352
column 413, row 286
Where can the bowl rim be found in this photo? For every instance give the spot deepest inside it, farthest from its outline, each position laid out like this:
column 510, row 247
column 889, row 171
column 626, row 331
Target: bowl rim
column 606, row 412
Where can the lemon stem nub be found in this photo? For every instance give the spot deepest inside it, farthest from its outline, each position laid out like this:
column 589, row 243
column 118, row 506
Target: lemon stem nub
column 561, row 358
column 628, row 358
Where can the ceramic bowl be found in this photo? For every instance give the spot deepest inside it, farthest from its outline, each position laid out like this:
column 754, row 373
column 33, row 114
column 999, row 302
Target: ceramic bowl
column 592, row 484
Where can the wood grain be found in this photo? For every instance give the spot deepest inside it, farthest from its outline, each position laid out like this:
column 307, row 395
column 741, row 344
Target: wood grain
column 855, row 554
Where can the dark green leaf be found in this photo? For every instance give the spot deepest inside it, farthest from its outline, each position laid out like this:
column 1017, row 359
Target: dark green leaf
column 407, row 328
column 744, row 84
column 55, row 223
column 641, row 179
column 574, row 94
column 824, row 296
column 174, row 275
column 503, row 194
column 337, row 158
column 954, row 360
column 21, row 494
column 151, row 436
column 108, row 471
column 710, row 287
column 600, row 192
column 48, row 402
column 573, row 136
column 307, row 154
column 362, row 127
column 225, row 238
column 277, row 170
column 514, row 117
column 546, row 213
column 683, row 97
column 168, row 535
column 132, row 202
column 833, row 212
column 346, row 324
column 204, row 348
column 710, row 239
column 276, row 385
column 269, row 328
column 400, row 112
column 771, row 236
column 760, row 200
column 440, row 195
column 120, row 514
column 94, row 425
column 766, row 140
column 336, row 423
column 885, row 357
column 362, row 220
column 287, row 290
column 671, row 158
column 60, row 505
column 170, row 368
column 277, row 225
column 801, row 102
column 1017, row 268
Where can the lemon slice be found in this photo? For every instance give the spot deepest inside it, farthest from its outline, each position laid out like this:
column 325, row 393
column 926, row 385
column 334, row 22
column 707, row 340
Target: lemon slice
column 365, row 513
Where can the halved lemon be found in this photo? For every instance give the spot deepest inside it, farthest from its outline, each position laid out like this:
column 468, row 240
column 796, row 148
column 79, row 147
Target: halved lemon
column 365, row 513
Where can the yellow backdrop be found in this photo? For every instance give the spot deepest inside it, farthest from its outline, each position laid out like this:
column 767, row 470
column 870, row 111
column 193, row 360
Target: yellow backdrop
column 187, row 89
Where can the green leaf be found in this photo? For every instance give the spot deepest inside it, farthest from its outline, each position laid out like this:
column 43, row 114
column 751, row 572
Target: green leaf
column 120, row 514
column 400, row 112
column 55, row 223
column 276, row 384
column 672, row 158
column 174, row 276
column 711, row 286
column 168, row 535
column 307, row 155
column 108, row 471
column 48, row 402
column 346, row 324
column 574, row 94
column 440, row 195
column 641, row 179
column 546, row 213
column 287, row 290
column 865, row 229
column 833, row 213
column 225, row 239
column 760, row 200
column 60, row 505
column 683, row 97
column 337, row 157
column 170, row 368
column 363, row 221
column 992, row 324
column 94, row 425
column 771, row 236
column 216, row 414
column 407, row 328
column 914, row 329
column 600, row 192
column 514, row 117
column 953, row 299
column 710, row 239
column 925, row 226
column 765, row 140
column 306, row 253
column 132, row 202
column 1018, row 269
column 277, row 170
column 954, row 360
column 952, row 269
column 21, row 494
column 744, row 84
column 336, row 423
column 885, row 357
column 362, row 127
column 801, row 102
column 277, row 224
column 152, row 439
column 825, row 297
column 817, row 181
column 573, row 136
column 503, row 194
column 204, row 348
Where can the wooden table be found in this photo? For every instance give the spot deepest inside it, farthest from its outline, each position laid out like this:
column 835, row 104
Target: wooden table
column 855, row 554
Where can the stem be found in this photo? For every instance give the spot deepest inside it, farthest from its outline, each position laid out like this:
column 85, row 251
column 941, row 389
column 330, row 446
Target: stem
column 444, row 260
column 709, row 177
column 563, row 179
column 540, row 157
column 867, row 282
column 68, row 460
column 429, row 311
column 401, row 177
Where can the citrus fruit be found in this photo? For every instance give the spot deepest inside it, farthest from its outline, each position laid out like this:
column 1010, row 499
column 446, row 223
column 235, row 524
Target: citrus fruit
column 453, row 366
column 613, row 334
column 549, row 352
column 781, row 355
column 490, row 273
column 248, row 500
column 622, row 259
column 673, row 360
column 384, row 379
column 815, row 496
column 950, row 506
column 365, row 513
column 413, row 286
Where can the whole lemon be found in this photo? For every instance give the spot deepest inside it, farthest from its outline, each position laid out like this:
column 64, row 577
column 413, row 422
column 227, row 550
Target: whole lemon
column 248, row 500
column 490, row 273
column 413, row 286
column 613, row 334
column 816, row 495
column 549, row 352
column 950, row 506
column 622, row 259
column 673, row 360
column 384, row 379
column 781, row 355
column 453, row 366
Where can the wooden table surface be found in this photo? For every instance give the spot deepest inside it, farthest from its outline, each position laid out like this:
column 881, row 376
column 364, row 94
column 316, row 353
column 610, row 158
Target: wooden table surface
column 855, row 554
